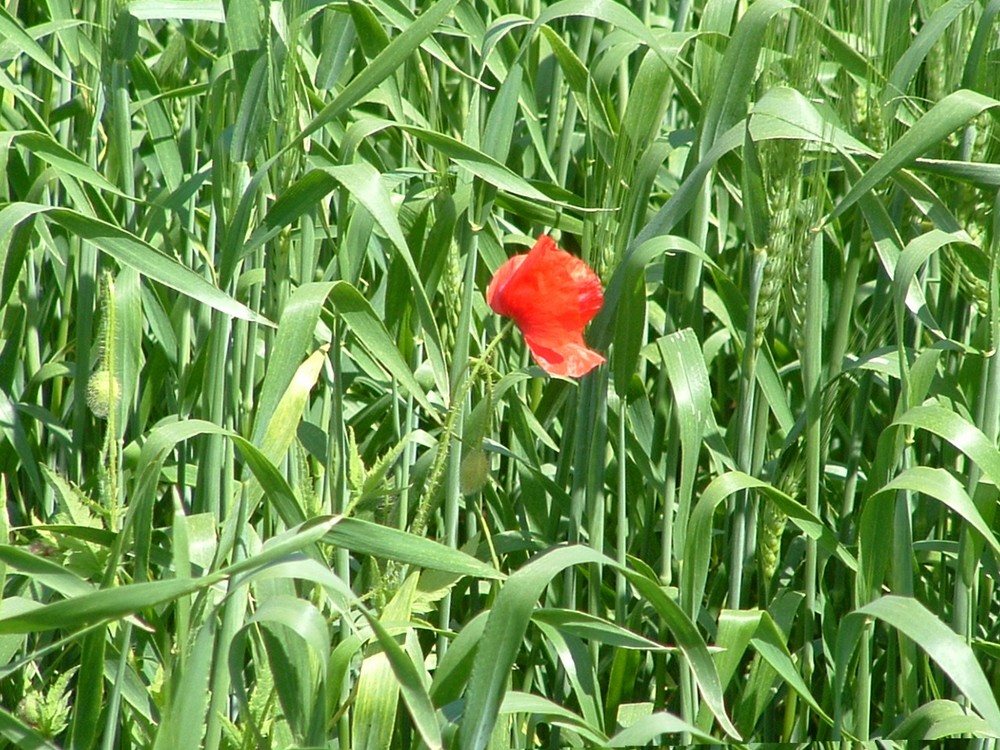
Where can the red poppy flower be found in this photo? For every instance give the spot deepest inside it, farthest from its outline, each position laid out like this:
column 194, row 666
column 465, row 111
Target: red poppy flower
column 551, row 295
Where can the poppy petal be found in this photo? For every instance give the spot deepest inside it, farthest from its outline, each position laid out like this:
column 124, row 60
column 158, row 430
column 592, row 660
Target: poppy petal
column 569, row 359
column 494, row 292
column 551, row 296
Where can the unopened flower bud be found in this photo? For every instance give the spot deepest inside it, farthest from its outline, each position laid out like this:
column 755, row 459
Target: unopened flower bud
column 103, row 393
column 474, row 472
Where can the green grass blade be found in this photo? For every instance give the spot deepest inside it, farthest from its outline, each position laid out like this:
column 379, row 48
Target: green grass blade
column 361, row 319
column 939, row 719
column 769, row 642
column 502, row 638
column 407, row 680
column 11, row 30
column 184, row 726
column 387, row 61
column 179, row 10
column 131, row 251
column 649, row 728
column 946, row 116
column 517, row 702
column 939, row 484
column 909, row 62
column 959, row 432
column 391, row 544
column 949, row 651
column 728, row 103
column 689, row 382
column 297, row 639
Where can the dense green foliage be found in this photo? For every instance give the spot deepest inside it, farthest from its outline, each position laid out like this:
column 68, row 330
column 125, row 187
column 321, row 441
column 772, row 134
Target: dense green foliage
column 275, row 475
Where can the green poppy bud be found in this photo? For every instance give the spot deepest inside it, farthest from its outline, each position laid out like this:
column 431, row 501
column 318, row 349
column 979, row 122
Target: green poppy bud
column 474, row 472
column 103, row 393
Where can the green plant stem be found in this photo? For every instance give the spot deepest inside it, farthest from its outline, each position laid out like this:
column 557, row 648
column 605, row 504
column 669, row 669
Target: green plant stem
column 621, row 515
column 403, row 470
column 453, row 490
column 671, row 461
column 121, row 141
column 337, row 484
column 987, row 418
column 113, row 718
column 902, row 584
column 593, row 403
column 427, row 500
column 812, row 372
column 745, row 442
column 569, row 118
column 862, row 702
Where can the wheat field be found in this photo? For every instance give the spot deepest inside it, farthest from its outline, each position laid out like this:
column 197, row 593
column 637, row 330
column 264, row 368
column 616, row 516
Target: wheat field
column 275, row 475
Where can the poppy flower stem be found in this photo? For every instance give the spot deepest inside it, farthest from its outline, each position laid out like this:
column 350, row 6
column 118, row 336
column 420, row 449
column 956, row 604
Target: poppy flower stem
column 429, row 497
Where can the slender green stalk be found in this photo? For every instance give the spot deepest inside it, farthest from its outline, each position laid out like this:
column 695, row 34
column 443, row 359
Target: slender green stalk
column 812, row 372
column 453, row 481
column 671, row 462
column 337, row 499
column 622, row 532
column 409, row 420
column 964, row 616
column 428, row 498
column 744, row 447
column 121, row 140
column 594, row 402
column 113, row 717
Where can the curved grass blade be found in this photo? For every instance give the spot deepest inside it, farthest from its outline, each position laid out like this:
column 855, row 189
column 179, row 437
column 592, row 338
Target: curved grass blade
column 623, row 316
column 941, row 485
column 388, row 543
column 939, row 719
column 948, row 650
column 690, row 642
column 387, row 61
column 115, row 603
column 130, row 250
column 11, row 30
column 906, row 289
column 502, row 638
column 482, row 165
column 591, row 628
column 517, row 702
column 646, row 730
column 365, row 185
column 769, row 642
column 48, row 150
column 103, row 604
column 414, row 692
column 609, row 12
column 357, row 312
column 16, row 731
column 178, row 10
column 728, row 103
column 949, row 114
column 453, row 670
column 280, row 428
column 906, row 67
column 689, row 382
column 961, row 433
column 296, row 330
column 184, row 725
column 699, row 544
